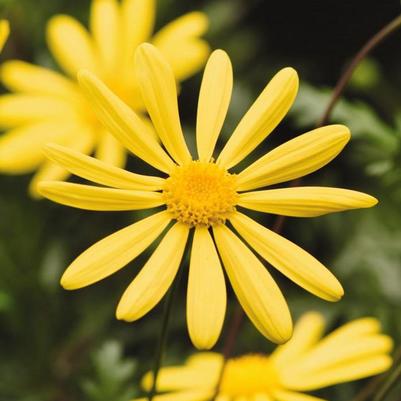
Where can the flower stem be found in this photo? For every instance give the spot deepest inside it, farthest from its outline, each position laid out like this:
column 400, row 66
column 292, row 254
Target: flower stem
column 376, row 39
column 163, row 336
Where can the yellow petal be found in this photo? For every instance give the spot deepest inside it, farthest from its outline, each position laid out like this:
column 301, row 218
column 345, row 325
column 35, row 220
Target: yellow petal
column 180, row 43
column 343, row 373
column 28, row 108
column 4, row 32
column 159, row 93
column 96, row 198
column 214, row 99
column 181, row 378
column 261, row 397
column 190, row 25
column 291, row 260
column 207, row 298
column 21, row 148
column 155, row 278
column 352, row 330
column 193, row 395
column 94, row 170
column 211, row 361
column 123, row 123
column 186, row 58
column 138, row 20
column 71, row 45
column 305, row 201
column 20, row 76
column 307, row 332
column 113, row 252
column 295, row 158
column 105, row 24
column 326, row 358
column 50, row 171
column 257, row 292
column 285, row 395
column 110, row 150
column 261, row 119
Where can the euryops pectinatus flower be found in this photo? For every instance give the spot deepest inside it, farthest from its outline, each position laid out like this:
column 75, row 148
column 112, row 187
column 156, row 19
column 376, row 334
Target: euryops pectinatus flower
column 49, row 107
column 4, row 32
column 305, row 363
column 202, row 194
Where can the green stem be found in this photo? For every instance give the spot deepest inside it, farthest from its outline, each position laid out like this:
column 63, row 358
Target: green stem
column 163, row 336
column 384, row 33
column 393, row 377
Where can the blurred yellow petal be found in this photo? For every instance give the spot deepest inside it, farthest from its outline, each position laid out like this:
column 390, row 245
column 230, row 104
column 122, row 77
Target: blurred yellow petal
column 19, row 109
column 264, row 115
column 50, row 171
column 257, row 292
column 97, row 198
column 181, row 378
column 343, row 373
column 210, row 361
column 99, row 172
column 291, row 260
column 105, row 24
column 305, row 201
column 285, row 395
column 155, row 278
column 307, row 332
column 110, row 150
column 123, row 123
column 327, row 358
column 4, row 32
column 190, row 25
column 159, row 92
column 71, row 45
column 186, row 57
column 261, row 397
column 193, row 395
column 207, row 298
column 138, row 18
column 214, row 99
column 295, row 158
column 20, row 76
column 180, row 43
column 351, row 331
column 113, row 252
column 21, row 148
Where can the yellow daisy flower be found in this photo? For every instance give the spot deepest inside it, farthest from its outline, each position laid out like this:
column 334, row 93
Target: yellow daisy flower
column 202, row 195
column 49, row 107
column 305, row 363
column 4, row 32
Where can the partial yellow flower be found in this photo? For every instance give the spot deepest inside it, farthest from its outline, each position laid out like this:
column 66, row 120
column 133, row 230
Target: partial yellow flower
column 305, row 363
column 203, row 195
column 4, row 32
column 47, row 106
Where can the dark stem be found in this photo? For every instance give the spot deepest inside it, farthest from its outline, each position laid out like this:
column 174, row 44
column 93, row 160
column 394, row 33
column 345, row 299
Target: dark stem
column 391, row 379
column 278, row 225
column 384, row 33
column 163, row 336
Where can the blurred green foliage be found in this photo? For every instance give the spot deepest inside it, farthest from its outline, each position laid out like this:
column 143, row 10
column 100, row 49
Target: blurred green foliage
column 61, row 346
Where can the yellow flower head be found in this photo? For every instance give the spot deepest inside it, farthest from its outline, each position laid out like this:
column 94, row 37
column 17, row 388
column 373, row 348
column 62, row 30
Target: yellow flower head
column 305, row 363
column 49, row 107
column 203, row 195
column 4, row 32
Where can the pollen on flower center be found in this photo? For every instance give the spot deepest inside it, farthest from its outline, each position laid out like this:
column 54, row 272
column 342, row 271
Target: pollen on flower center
column 249, row 375
column 200, row 194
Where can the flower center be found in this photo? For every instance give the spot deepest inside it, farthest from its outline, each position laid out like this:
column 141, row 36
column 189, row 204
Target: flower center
column 248, row 376
column 200, row 194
